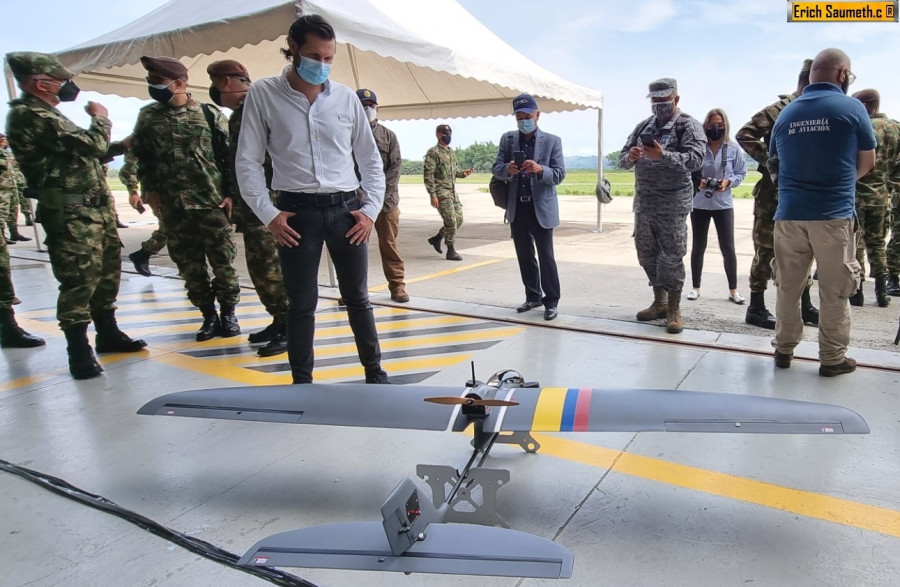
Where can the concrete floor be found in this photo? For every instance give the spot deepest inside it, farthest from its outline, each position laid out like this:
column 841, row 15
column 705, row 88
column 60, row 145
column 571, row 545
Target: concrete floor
column 636, row 509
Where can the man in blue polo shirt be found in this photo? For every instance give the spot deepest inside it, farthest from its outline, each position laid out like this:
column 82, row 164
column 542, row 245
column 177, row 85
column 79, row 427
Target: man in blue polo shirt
column 822, row 143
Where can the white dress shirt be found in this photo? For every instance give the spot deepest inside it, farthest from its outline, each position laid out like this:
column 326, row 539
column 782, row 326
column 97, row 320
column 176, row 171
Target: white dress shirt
column 312, row 146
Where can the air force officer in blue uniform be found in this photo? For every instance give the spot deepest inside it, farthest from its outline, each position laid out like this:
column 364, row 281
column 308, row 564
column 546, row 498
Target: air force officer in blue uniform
column 532, row 162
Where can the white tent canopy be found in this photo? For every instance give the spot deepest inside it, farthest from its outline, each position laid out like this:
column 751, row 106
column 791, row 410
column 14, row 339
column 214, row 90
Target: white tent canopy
column 389, row 46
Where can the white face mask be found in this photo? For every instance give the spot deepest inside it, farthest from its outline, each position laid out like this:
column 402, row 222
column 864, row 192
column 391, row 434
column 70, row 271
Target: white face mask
column 371, row 113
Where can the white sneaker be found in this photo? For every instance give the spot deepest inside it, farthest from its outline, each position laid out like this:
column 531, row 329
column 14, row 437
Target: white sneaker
column 695, row 293
column 736, row 298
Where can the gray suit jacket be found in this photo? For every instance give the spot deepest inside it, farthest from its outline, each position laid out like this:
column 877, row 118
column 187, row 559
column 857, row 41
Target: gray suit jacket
column 547, row 153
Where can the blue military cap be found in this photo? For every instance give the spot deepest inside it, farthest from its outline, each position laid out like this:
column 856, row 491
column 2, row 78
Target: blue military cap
column 524, row 103
column 365, row 95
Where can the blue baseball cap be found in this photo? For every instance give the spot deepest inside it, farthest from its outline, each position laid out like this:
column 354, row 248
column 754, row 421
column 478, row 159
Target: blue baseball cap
column 365, row 95
column 524, row 103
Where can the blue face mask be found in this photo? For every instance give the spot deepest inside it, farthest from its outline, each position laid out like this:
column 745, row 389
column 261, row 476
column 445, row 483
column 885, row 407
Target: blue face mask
column 526, row 126
column 312, row 71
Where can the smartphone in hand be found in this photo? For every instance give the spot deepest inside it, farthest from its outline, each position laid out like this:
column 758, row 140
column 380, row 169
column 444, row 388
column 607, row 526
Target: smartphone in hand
column 140, row 208
column 647, row 139
column 519, row 158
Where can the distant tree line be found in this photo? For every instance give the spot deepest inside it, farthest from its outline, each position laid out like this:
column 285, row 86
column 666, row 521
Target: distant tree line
column 478, row 156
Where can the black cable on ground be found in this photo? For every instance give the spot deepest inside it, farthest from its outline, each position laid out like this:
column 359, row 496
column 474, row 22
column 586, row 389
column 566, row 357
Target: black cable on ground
column 195, row 545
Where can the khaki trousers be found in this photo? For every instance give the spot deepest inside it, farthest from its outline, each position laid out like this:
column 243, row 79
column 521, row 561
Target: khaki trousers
column 832, row 243
column 386, row 226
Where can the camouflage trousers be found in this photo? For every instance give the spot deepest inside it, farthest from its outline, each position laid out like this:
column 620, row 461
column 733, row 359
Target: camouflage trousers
column 893, row 247
column 7, row 292
column 195, row 238
column 661, row 243
column 450, row 209
column 264, row 267
column 873, row 226
column 763, row 252
column 158, row 239
column 86, row 259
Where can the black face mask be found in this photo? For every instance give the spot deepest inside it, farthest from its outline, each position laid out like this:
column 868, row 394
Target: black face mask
column 68, row 92
column 714, row 133
column 446, row 138
column 160, row 93
column 216, row 96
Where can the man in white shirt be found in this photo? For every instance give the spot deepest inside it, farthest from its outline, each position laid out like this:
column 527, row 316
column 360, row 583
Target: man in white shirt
column 313, row 130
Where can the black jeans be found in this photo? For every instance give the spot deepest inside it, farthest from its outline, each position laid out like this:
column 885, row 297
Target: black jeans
column 526, row 233
column 724, row 220
column 300, row 266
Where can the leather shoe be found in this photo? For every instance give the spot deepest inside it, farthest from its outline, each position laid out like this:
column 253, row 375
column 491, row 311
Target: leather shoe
column 527, row 306
column 783, row 360
column 847, row 366
column 400, row 296
column 550, row 313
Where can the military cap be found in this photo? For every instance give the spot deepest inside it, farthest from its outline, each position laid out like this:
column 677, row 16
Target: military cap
column 167, row 67
column 524, row 103
column 444, row 128
column 807, row 66
column 24, row 63
column 662, row 87
column 868, row 96
column 227, row 67
column 365, row 95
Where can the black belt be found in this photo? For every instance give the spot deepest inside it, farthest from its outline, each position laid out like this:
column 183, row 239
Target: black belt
column 322, row 200
column 94, row 201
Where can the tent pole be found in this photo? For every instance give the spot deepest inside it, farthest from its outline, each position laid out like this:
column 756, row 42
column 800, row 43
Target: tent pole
column 11, row 91
column 599, row 167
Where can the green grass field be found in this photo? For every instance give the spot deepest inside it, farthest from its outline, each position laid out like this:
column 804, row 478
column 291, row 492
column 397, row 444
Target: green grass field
column 582, row 182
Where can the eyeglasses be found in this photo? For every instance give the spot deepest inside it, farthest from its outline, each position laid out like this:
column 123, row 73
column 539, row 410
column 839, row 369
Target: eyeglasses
column 851, row 77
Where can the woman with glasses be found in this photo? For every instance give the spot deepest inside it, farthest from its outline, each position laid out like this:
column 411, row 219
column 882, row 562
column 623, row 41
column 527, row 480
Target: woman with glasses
column 723, row 169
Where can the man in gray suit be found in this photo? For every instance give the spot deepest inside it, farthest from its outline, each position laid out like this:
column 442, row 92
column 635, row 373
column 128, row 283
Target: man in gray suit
column 531, row 161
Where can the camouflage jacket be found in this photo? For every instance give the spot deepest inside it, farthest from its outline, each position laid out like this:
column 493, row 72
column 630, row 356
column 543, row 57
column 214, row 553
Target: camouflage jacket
column 128, row 174
column 441, row 171
column 754, row 138
column 241, row 214
column 12, row 182
column 176, row 159
column 665, row 186
column 874, row 189
column 54, row 154
column 389, row 148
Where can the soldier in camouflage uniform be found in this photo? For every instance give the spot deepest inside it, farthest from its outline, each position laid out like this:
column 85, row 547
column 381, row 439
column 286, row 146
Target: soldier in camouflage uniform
column 11, row 335
column 754, row 139
column 63, row 167
column 663, row 196
column 183, row 174
column 441, row 171
column 128, row 175
column 873, row 198
column 15, row 186
column 231, row 81
column 893, row 246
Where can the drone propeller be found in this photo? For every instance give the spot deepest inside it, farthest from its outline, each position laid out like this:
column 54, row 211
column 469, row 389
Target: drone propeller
column 469, row 401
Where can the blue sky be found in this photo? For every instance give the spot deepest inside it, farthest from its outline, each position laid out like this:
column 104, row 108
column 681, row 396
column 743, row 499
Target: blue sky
column 733, row 54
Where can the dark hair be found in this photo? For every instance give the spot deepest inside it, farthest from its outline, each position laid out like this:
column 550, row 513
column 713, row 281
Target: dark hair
column 309, row 23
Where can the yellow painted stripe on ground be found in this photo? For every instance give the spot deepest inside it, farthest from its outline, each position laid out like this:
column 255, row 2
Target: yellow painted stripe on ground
column 26, row 381
column 805, row 503
column 225, row 371
column 242, row 310
column 384, row 286
column 548, row 412
column 152, row 296
column 392, row 367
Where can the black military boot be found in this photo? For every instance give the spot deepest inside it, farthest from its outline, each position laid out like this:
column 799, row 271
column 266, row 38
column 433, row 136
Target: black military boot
column 82, row 362
column 229, row 322
column 881, row 295
column 757, row 314
column 11, row 334
column 266, row 334
column 858, row 299
column 893, row 286
column 452, row 255
column 14, row 233
column 278, row 344
column 29, row 221
column 141, row 260
column 808, row 312
column 212, row 326
column 435, row 241
column 109, row 338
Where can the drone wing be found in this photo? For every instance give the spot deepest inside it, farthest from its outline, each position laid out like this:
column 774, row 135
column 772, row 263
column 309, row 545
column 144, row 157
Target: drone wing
column 555, row 409
column 373, row 406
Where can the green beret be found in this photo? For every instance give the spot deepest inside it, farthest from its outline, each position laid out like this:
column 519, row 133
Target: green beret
column 24, row 63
